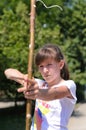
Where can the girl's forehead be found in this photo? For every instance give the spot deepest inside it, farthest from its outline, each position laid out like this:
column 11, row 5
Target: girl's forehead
column 48, row 60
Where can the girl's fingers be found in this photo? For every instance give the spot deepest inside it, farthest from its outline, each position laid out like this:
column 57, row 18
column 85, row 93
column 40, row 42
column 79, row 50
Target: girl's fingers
column 32, row 81
column 30, row 89
column 22, row 89
column 28, row 85
column 30, row 95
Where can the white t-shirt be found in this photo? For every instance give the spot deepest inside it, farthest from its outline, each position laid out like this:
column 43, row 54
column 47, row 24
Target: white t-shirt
column 55, row 114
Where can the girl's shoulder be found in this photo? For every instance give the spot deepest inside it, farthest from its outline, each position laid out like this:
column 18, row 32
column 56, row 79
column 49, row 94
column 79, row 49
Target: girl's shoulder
column 67, row 83
column 70, row 82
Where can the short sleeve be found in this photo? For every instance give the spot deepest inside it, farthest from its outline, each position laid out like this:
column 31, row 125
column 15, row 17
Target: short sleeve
column 72, row 87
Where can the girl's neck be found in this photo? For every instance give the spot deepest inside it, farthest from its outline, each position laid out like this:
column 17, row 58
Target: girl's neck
column 56, row 82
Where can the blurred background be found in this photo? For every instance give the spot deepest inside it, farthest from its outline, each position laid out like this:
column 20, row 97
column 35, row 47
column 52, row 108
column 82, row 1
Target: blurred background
column 67, row 28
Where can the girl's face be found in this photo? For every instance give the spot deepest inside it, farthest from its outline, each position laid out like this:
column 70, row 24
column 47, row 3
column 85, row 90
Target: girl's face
column 50, row 71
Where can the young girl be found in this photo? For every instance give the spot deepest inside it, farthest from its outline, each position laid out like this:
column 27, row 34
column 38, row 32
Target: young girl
column 55, row 95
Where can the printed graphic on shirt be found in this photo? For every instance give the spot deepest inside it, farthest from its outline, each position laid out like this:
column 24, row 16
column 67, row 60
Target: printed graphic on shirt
column 41, row 110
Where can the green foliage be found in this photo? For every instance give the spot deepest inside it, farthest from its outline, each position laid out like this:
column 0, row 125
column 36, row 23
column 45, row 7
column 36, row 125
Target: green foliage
column 66, row 28
column 14, row 35
column 14, row 29
column 72, row 31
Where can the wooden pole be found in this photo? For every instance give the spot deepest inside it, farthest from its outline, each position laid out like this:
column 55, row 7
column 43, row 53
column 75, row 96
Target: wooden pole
column 30, row 61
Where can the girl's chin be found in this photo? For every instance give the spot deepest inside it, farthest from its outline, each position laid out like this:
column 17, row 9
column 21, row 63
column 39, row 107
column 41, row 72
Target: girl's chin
column 48, row 81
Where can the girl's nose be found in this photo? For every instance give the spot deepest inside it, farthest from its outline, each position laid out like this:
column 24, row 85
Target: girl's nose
column 45, row 69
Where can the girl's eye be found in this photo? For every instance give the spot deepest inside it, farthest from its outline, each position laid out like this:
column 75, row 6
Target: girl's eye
column 41, row 66
column 49, row 65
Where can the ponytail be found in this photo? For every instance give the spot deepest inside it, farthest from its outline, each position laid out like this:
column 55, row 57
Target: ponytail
column 65, row 72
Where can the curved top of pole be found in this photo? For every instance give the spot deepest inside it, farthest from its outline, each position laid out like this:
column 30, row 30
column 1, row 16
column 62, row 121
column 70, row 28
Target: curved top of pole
column 52, row 6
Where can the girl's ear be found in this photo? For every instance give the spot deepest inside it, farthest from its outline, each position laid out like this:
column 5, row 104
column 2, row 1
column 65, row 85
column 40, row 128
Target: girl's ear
column 61, row 64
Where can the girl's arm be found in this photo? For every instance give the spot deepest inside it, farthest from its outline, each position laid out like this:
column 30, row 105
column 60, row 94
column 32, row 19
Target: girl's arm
column 14, row 74
column 54, row 93
column 32, row 91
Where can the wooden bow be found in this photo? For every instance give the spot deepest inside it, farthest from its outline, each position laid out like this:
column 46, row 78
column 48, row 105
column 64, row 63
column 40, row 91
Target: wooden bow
column 30, row 62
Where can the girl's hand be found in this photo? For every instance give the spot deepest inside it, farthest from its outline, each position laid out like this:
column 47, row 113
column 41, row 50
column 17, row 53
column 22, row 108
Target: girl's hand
column 30, row 89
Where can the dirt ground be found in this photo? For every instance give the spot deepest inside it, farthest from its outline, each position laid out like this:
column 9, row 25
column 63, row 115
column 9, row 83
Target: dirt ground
column 78, row 120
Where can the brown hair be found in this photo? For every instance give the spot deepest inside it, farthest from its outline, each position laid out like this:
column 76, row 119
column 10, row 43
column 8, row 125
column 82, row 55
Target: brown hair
column 52, row 51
